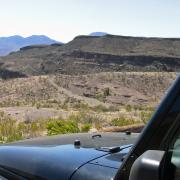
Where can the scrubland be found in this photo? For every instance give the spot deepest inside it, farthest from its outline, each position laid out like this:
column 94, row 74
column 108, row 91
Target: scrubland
column 58, row 104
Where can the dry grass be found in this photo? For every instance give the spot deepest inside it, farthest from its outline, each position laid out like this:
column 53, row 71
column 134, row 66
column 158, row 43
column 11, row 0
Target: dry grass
column 95, row 101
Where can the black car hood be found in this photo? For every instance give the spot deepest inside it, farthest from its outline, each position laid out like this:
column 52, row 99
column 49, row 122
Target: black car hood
column 43, row 159
column 46, row 162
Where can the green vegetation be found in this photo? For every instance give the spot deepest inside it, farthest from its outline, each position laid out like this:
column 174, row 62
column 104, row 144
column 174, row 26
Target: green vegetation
column 100, row 97
column 86, row 128
column 81, row 122
column 122, row 122
column 9, row 130
column 89, row 118
column 62, row 127
column 12, row 130
column 146, row 115
column 129, row 108
column 102, row 108
column 143, row 108
column 75, row 99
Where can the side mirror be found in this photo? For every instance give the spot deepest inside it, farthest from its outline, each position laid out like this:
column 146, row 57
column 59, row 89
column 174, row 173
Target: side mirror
column 147, row 166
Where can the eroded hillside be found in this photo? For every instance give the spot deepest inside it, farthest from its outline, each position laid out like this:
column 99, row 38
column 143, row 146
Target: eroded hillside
column 108, row 92
column 88, row 54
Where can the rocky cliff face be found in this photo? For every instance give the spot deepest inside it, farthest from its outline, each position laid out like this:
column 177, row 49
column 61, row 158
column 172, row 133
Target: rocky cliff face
column 87, row 54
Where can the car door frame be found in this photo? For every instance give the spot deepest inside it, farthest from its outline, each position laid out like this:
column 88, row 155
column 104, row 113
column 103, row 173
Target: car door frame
column 156, row 132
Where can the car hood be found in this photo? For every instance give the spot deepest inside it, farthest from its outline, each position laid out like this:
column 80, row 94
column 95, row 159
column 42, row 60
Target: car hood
column 41, row 158
column 46, row 162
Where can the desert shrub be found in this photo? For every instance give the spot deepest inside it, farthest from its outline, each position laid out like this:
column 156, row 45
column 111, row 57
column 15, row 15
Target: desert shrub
column 113, row 108
column 80, row 105
column 54, row 101
column 152, row 109
column 100, row 97
column 122, row 122
column 18, row 103
column 106, row 92
column 144, row 108
column 65, row 104
column 9, row 129
column 87, row 118
column 61, row 127
column 92, row 119
column 33, row 103
column 38, row 105
column 145, row 116
column 86, row 128
column 108, row 77
column 32, row 129
column 100, row 108
column 12, row 130
column 37, row 127
column 128, row 108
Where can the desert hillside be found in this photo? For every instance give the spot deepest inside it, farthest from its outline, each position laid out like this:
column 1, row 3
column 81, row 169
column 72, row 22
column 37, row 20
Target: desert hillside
column 102, row 93
column 89, row 54
column 106, row 83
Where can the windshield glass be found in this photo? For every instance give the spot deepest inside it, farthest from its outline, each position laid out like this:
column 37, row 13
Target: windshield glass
column 63, row 70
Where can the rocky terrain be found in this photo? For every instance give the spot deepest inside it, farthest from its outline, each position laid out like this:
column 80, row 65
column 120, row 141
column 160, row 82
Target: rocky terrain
column 92, row 54
column 109, row 95
column 93, row 83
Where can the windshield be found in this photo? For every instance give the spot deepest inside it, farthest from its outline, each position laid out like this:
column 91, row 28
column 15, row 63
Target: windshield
column 63, row 70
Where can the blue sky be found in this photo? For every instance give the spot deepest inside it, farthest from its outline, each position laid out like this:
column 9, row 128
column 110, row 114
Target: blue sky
column 65, row 19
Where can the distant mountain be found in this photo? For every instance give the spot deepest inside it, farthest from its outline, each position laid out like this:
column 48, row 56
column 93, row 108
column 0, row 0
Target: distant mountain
column 98, row 34
column 14, row 43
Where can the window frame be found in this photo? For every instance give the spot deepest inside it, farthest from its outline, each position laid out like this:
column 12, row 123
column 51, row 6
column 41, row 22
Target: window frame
column 168, row 142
